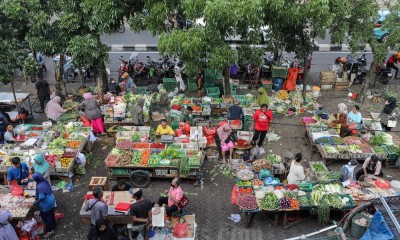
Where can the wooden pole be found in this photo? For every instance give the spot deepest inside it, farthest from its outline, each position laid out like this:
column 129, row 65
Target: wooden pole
column 15, row 100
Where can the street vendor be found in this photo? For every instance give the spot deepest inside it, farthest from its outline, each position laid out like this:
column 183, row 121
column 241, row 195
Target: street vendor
column 372, row 165
column 141, row 213
column 93, row 113
column 340, row 124
column 254, row 153
column 54, row 109
column 41, row 166
column 185, row 115
column 354, row 115
column 347, row 172
column 235, row 112
column 18, row 171
column 174, row 196
column 226, row 141
column 60, row 93
column 297, row 174
column 388, row 113
column 122, row 185
column 113, row 87
column 260, row 124
column 137, row 113
column 129, row 84
column 99, row 210
column 11, row 137
column 164, row 129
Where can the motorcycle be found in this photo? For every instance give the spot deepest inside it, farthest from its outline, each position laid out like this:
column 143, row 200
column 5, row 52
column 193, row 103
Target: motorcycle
column 358, row 68
column 123, row 67
column 266, row 66
column 300, row 65
column 176, row 22
column 139, row 69
column 167, row 67
column 179, row 67
column 383, row 74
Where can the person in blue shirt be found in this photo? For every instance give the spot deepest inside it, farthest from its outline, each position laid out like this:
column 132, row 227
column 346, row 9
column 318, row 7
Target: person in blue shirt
column 355, row 116
column 129, row 84
column 18, row 171
column 235, row 111
column 44, row 197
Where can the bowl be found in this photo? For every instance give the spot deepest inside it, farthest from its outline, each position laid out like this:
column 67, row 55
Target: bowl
column 395, row 184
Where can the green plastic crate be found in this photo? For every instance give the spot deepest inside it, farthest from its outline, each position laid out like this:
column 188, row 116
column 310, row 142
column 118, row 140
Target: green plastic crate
column 279, row 71
column 169, row 84
column 213, row 92
column 120, row 171
column 233, row 89
column 305, row 187
column 192, row 87
column 210, row 72
column 247, row 126
column 141, row 90
column 391, row 155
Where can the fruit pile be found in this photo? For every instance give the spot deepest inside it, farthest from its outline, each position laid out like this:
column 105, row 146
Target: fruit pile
column 73, row 144
column 65, row 162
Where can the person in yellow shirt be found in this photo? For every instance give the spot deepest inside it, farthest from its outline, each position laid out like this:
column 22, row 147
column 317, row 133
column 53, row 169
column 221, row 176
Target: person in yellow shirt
column 164, row 129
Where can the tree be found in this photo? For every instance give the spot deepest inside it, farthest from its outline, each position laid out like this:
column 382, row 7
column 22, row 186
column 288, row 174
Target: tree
column 205, row 44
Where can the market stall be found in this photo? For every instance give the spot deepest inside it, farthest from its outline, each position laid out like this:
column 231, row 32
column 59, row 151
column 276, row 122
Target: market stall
column 7, row 99
column 135, row 157
column 19, row 206
column 59, row 144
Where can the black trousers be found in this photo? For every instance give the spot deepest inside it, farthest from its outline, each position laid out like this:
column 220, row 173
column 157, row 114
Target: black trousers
column 361, row 172
column 43, row 100
column 392, row 65
column 49, row 220
column 260, row 136
column 168, row 210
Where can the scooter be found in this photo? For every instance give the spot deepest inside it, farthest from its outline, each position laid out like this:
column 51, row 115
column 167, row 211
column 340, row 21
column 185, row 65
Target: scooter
column 179, row 67
column 383, row 74
column 359, row 69
column 167, row 67
column 123, row 67
column 266, row 66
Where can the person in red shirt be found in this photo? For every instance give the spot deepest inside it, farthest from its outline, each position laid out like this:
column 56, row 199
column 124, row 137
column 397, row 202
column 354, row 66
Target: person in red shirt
column 261, row 120
column 392, row 61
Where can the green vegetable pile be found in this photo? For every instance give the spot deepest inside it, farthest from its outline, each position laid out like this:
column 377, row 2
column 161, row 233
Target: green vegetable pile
column 244, row 183
column 136, row 156
column 269, row 202
column 319, row 167
column 68, row 116
column 379, row 149
column 58, row 143
column 334, row 201
column 183, row 167
column 330, row 149
column 136, row 137
column 323, row 212
column 169, row 152
column 304, row 201
column 381, row 139
column 393, row 149
column 273, row 158
column 338, row 140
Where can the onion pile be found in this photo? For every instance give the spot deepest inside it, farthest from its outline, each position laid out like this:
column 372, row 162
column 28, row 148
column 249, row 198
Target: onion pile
column 247, row 202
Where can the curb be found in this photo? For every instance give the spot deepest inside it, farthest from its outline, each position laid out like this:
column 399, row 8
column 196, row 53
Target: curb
column 154, row 47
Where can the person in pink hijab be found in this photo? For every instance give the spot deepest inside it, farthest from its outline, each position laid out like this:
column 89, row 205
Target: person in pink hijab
column 54, row 109
column 225, row 139
column 93, row 113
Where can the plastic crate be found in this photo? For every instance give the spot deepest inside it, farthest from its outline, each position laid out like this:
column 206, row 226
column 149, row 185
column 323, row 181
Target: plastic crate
column 380, row 155
column 210, row 72
column 351, row 204
column 236, row 127
column 192, row 87
column 169, row 84
column 161, row 172
column 391, row 155
column 306, row 187
column 278, row 71
column 213, row 92
column 267, row 85
column 120, row 171
column 141, row 90
column 173, row 172
column 247, row 126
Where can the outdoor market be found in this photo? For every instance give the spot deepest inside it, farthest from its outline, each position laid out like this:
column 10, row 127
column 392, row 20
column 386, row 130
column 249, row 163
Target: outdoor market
column 153, row 144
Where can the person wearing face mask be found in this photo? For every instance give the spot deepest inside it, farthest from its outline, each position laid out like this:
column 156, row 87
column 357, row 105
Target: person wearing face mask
column 388, row 112
column 113, row 87
column 347, row 172
column 174, row 196
column 372, row 165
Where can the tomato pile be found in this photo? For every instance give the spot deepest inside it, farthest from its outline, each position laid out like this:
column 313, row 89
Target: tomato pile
column 242, row 143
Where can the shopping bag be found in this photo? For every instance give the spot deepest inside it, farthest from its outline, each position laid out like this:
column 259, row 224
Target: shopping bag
column 235, row 195
column 181, row 229
column 16, row 190
column 184, row 201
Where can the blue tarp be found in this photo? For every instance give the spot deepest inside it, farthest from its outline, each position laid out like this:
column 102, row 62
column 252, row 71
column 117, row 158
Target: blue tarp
column 378, row 229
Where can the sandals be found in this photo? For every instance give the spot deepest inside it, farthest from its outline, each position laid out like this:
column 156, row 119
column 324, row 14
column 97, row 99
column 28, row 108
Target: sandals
column 49, row 234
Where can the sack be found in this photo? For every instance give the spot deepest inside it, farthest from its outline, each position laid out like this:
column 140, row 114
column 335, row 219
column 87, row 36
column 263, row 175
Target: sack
column 184, row 202
column 86, row 122
column 235, row 195
column 181, row 229
column 16, row 190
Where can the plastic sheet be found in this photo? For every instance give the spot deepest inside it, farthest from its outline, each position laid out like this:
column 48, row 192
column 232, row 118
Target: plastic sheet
column 378, row 229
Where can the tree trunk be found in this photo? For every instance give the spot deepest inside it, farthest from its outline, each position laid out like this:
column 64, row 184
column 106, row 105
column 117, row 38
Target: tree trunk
column 226, row 80
column 104, row 76
column 371, row 74
column 61, row 68
column 82, row 77
column 305, row 75
column 16, row 101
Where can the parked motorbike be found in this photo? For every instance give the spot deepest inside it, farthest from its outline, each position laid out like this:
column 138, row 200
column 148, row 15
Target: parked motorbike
column 179, row 67
column 176, row 22
column 123, row 67
column 266, row 66
column 358, row 68
column 167, row 67
column 383, row 74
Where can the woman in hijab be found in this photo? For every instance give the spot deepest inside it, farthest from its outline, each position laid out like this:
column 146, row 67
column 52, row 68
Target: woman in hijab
column 347, row 172
column 7, row 231
column 262, row 97
column 102, row 230
column 45, row 198
column 54, row 109
column 342, row 108
column 41, row 166
column 137, row 113
column 93, row 113
column 225, row 140
column 113, row 87
column 339, row 120
column 388, row 112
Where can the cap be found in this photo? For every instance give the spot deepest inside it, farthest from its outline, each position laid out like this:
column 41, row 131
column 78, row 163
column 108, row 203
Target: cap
column 353, row 162
column 134, row 190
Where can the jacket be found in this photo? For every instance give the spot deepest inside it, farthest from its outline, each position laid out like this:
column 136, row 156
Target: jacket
column 91, row 107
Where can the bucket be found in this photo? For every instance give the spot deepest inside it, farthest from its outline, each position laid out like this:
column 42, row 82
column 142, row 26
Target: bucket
column 357, row 230
column 315, row 92
column 277, row 83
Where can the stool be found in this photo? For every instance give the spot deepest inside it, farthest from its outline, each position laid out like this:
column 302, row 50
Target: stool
column 98, row 182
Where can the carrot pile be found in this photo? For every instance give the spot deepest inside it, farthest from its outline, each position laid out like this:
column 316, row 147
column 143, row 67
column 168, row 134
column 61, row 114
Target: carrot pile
column 144, row 161
column 196, row 108
column 140, row 145
column 258, row 182
column 246, row 190
column 294, row 204
column 74, row 144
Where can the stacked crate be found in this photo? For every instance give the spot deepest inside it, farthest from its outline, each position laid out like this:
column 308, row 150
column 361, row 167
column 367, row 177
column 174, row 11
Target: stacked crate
column 279, row 72
column 192, row 86
column 169, row 84
column 210, row 77
column 328, row 80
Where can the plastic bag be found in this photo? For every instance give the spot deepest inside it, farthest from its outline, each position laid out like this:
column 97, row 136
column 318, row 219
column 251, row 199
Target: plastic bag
column 181, row 230
column 16, row 190
column 222, row 123
column 86, row 122
column 61, row 184
column 58, row 215
column 235, row 195
column 28, row 225
column 209, row 131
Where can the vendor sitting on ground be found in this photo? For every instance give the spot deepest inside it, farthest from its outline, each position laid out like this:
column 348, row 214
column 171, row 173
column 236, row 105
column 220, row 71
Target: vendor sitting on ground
column 347, row 172
column 185, row 115
column 174, row 196
column 121, row 186
column 10, row 136
column 226, row 141
column 340, row 124
column 235, row 112
column 254, row 153
column 372, row 165
column 164, row 129
column 354, row 115
column 137, row 113
column 18, row 171
column 297, row 174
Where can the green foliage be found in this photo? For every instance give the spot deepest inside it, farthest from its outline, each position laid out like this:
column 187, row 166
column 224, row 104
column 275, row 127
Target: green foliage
column 87, row 49
column 30, row 66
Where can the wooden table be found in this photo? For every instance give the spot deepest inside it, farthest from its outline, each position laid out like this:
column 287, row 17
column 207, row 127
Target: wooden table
column 275, row 217
column 115, row 217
